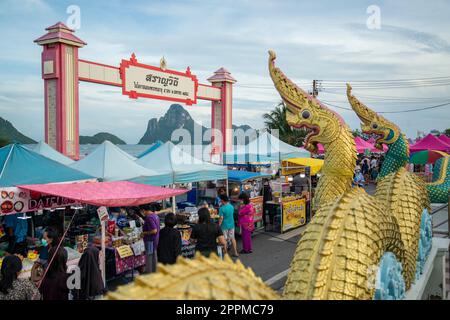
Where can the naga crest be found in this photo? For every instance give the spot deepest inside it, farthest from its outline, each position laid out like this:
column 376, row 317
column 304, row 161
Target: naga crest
column 304, row 111
column 372, row 123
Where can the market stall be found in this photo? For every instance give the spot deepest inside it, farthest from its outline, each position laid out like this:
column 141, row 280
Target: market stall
column 118, row 235
column 290, row 206
column 251, row 183
column 21, row 165
column 201, row 177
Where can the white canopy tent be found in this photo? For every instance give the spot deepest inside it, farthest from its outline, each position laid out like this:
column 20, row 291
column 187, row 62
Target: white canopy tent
column 110, row 163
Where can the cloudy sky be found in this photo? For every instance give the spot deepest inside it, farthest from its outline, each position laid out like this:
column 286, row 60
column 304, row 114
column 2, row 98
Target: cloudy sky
column 324, row 40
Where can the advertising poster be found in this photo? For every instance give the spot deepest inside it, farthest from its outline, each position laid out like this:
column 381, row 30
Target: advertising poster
column 257, row 203
column 294, row 214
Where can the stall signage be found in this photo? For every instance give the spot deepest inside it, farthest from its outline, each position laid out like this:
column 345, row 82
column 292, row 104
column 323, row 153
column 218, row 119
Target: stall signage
column 102, row 214
column 140, row 80
column 125, row 251
column 294, row 214
column 16, row 200
column 257, row 203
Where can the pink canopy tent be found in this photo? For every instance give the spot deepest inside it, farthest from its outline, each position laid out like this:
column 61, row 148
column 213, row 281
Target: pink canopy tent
column 444, row 138
column 109, row 194
column 372, row 142
column 430, row 142
column 361, row 146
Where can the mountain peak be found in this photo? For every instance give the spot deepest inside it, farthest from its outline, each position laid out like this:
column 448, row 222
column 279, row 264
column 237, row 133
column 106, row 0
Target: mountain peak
column 176, row 117
column 10, row 134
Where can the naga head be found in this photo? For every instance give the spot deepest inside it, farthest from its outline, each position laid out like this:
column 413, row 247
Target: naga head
column 304, row 111
column 372, row 123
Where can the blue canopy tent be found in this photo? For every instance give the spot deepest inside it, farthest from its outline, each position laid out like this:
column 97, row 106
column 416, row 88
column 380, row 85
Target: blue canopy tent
column 110, row 163
column 184, row 167
column 152, row 148
column 19, row 166
column 47, row 151
column 242, row 176
column 265, row 148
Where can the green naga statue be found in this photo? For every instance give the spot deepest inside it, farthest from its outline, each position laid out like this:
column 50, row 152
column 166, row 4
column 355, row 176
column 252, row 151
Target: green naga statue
column 398, row 154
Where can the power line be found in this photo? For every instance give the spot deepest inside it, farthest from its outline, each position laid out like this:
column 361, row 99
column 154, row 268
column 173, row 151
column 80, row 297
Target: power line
column 393, row 80
column 402, row 111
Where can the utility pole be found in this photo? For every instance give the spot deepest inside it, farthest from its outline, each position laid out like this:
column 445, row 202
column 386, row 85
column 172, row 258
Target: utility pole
column 315, row 88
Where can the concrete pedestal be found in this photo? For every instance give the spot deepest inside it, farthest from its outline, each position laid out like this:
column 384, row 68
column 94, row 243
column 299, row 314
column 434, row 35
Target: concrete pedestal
column 432, row 283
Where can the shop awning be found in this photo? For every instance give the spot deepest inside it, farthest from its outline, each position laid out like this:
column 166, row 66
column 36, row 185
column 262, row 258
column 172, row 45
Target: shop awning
column 291, row 166
column 242, row 176
column 110, row 194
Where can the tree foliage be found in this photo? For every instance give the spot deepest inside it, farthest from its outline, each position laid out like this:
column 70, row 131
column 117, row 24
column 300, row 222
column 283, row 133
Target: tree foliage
column 276, row 119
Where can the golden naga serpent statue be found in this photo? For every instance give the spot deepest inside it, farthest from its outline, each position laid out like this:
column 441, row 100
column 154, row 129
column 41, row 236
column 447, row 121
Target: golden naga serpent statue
column 403, row 193
column 350, row 234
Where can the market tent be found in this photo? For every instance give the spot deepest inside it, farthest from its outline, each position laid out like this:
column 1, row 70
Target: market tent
column 426, row 156
column 430, row 142
column 47, row 151
column 19, row 165
column 444, row 138
column 110, row 163
column 314, row 164
column 152, row 148
column 361, row 146
column 242, row 176
column 110, row 194
column 184, row 167
column 265, row 148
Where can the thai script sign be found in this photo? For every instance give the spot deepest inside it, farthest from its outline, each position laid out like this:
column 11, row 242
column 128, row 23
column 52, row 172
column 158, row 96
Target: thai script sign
column 140, row 80
column 16, row 200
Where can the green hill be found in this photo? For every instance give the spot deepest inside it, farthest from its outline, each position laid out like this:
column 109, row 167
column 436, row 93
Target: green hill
column 9, row 134
column 100, row 138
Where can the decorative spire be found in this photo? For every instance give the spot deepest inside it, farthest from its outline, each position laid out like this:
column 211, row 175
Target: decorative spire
column 163, row 63
column 59, row 32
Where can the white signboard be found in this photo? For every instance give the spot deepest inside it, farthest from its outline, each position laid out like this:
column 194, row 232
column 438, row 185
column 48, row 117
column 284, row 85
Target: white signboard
column 102, row 213
column 140, row 80
column 15, row 200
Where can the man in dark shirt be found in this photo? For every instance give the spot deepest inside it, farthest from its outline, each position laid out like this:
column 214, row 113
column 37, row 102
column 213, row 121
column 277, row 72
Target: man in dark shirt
column 169, row 247
column 206, row 233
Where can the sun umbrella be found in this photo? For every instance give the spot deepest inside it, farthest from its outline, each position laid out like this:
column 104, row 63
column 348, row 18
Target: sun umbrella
column 426, row 156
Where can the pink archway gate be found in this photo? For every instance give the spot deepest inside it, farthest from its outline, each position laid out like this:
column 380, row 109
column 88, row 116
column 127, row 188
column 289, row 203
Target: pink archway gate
column 62, row 70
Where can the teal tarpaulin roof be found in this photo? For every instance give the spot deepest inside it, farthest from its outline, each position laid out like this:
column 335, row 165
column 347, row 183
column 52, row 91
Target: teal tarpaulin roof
column 265, row 148
column 242, row 176
column 184, row 167
column 152, row 148
column 47, row 151
column 19, row 165
column 110, row 163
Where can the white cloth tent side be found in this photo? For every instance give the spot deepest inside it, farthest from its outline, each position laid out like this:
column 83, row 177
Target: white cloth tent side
column 265, row 148
column 45, row 150
column 184, row 167
column 109, row 163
